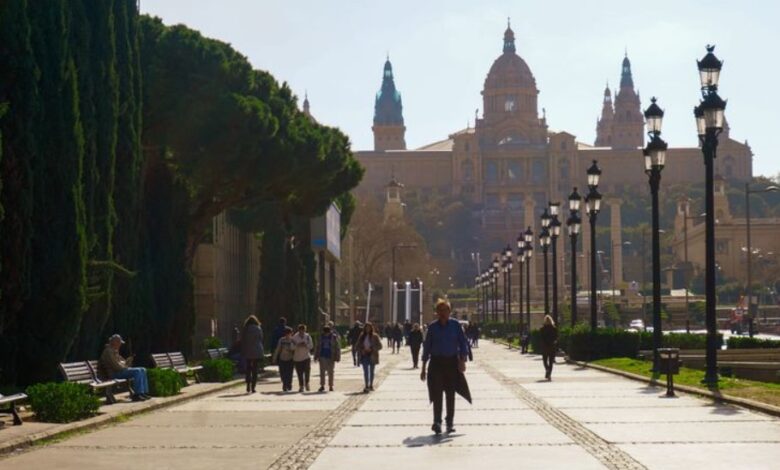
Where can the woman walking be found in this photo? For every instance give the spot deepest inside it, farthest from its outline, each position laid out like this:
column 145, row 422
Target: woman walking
column 251, row 350
column 302, row 347
column 369, row 344
column 327, row 353
column 283, row 356
column 398, row 336
column 549, row 340
column 415, row 341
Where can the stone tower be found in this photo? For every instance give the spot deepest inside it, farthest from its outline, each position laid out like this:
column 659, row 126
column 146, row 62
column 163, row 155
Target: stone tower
column 388, row 125
column 628, row 126
column 604, row 123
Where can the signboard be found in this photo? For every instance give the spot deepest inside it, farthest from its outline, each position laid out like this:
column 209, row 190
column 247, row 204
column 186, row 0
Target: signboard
column 326, row 233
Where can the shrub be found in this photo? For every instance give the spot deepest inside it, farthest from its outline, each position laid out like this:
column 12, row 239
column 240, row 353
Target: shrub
column 164, row 382
column 739, row 342
column 62, row 402
column 586, row 345
column 218, row 370
column 678, row 340
column 499, row 329
column 212, row 342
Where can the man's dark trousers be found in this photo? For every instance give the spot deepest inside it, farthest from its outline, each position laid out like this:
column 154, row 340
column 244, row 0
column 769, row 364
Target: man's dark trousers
column 444, row 372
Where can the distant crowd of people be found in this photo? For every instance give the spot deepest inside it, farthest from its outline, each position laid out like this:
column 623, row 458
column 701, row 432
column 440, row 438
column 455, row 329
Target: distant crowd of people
column 446, row 346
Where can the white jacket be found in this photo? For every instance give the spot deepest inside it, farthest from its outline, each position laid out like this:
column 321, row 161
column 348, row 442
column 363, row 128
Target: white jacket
column 303, row 347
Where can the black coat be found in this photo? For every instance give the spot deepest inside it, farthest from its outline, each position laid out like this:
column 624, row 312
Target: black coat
column 415, row 338
column 549, row 339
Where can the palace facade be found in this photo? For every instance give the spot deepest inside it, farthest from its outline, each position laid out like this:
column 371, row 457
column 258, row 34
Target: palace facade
column 510, row 164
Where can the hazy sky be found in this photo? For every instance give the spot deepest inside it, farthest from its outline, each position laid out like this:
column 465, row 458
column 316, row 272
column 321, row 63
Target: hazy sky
column 441, row 51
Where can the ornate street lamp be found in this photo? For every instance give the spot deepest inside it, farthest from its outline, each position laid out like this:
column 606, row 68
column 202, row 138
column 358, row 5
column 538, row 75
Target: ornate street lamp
column 555, row 232
column 496, row 273
column 592, row 207
column 508, row 259
column 544, row 241
column 655, row 158
column 709, row 123
column 529, row 253
column 574, row 223
column 520, row 266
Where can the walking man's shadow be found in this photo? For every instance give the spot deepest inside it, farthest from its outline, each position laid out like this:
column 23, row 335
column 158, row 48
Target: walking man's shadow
column 429, row 440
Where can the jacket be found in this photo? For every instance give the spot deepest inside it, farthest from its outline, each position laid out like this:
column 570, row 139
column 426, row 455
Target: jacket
column 335, row 348
column 302, row 347
column 415, row 338
column 110, row 363
column 549, row 339
column 252, row 342
column 284, row 350
column 376, row 345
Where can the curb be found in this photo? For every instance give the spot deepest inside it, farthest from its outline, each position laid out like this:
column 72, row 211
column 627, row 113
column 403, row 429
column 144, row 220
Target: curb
column 90, row 424
column 716, row 396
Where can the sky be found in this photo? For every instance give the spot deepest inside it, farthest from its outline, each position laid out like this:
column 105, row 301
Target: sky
column 441, row 51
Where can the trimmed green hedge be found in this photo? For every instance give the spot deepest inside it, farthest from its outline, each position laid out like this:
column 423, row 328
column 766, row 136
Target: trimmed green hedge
column 744, row 342
column 164, row 382
column 498, row 329
column 218, row 370
column 678, row 340
column 62, row 402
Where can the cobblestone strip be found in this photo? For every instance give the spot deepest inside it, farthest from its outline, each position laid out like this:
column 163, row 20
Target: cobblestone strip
column 304, row 452
column 609, row 455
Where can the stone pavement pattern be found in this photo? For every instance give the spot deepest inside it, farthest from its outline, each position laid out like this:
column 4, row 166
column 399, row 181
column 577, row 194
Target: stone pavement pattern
column 582, row 419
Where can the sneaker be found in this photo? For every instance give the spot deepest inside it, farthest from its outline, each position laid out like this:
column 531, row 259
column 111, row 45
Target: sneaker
column 137, row 398
column 371, row 387
column 300, row 390
column 146, row 397
column 436, row 428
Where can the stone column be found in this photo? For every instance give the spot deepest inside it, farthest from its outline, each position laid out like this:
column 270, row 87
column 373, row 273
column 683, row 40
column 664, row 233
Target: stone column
column 616, row 265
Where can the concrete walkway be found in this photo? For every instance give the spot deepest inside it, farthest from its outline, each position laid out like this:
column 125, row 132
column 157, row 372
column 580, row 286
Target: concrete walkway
column 582, row 419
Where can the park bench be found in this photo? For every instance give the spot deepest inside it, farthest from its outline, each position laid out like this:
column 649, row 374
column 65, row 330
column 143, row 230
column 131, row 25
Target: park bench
column 8, row 405
column 217, row 353
column 85, row 372
column 176, row 361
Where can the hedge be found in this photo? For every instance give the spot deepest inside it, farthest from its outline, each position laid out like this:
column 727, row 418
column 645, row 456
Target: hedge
column 740, row 342
column 678, row 340
column 164, row 382
column 218, row 370
column 62, row 402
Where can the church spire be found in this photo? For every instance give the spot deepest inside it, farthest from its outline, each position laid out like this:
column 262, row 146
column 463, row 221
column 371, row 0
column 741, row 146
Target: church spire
column 626, row 79
column 306, row 110
column 509, row 38
column 388, row 114
column 604, row 123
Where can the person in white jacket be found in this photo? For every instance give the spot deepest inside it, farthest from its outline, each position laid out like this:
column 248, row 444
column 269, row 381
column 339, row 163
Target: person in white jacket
column 303, row 346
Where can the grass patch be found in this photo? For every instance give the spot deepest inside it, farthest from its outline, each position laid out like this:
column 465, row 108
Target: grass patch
column 763, row 392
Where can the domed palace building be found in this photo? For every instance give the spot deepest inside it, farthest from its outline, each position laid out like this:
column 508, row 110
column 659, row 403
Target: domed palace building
column 509, row 165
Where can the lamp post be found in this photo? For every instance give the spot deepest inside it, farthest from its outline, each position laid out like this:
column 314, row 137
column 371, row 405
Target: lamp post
column 749, row 288
column 520, row 266
column 496, row 271
column 529, row 253
column 592, row 207
column 574, row 223
column 555, row 231
column 544, row 241
column 709, row 124
column 509, row 262
column 655, row 157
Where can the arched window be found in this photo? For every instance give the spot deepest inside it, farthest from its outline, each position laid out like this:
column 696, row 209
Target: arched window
column 491, row 172
column 514, row 171
column 467, row 170
column 538, row 172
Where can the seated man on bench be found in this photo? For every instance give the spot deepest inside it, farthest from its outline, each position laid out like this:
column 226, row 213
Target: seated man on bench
column 117, row 367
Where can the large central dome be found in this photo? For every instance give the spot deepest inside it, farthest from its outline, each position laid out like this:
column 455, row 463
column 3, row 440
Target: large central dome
column 509, row 70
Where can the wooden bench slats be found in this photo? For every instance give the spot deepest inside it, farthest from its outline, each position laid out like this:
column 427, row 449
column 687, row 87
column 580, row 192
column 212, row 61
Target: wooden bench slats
column 9, row 406
column 176, row 361
column 85, row 372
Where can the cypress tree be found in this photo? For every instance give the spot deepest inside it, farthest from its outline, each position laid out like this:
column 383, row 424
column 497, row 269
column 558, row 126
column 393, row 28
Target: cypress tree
column 50, row 319
column 18, row 90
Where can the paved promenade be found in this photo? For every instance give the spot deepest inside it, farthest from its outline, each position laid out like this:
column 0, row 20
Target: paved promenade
column 583, row 419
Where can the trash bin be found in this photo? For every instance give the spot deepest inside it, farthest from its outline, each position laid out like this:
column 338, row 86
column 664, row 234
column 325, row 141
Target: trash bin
column 669, row 364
